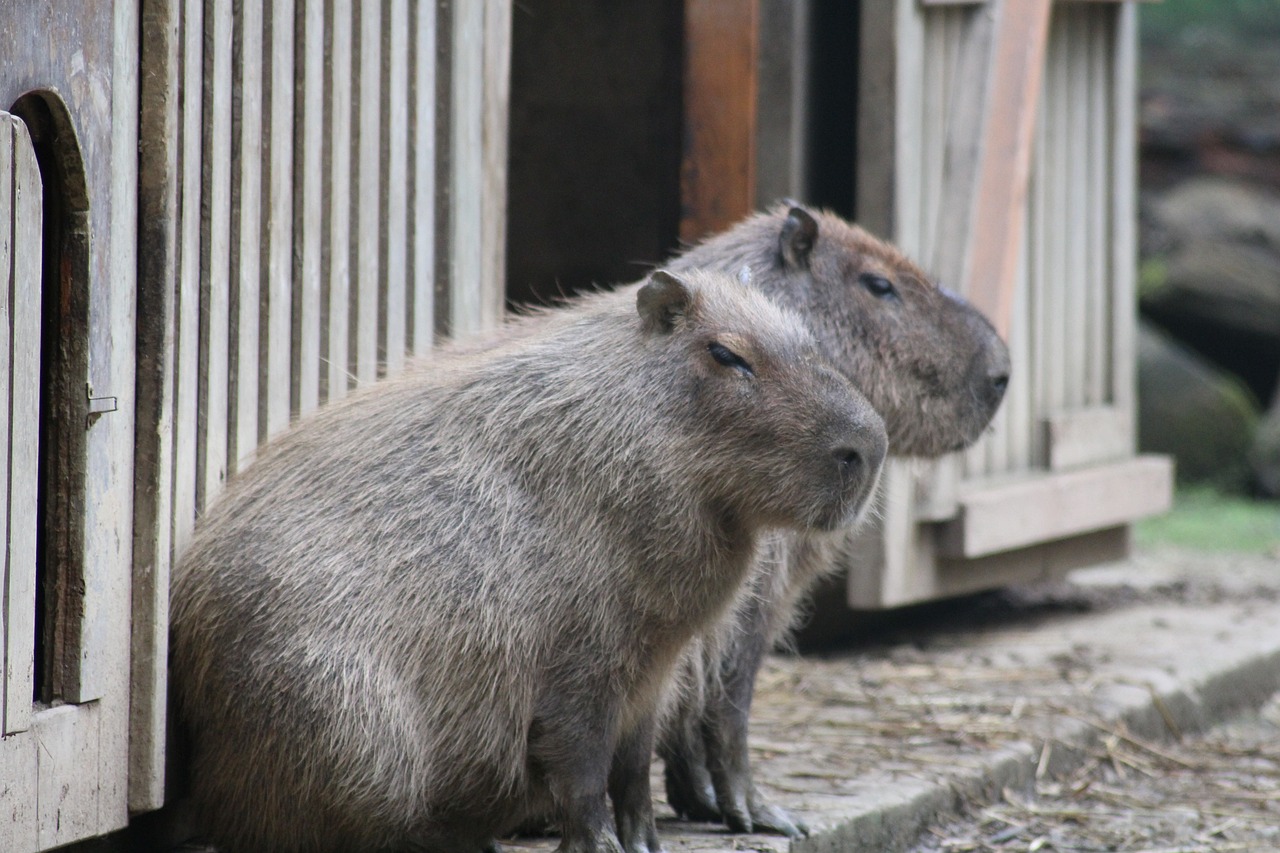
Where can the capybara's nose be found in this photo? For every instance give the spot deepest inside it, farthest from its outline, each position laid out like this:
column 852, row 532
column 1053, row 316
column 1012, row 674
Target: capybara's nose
column 860, row 455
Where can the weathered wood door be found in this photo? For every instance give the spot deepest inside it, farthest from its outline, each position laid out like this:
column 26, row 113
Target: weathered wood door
column 68, row 159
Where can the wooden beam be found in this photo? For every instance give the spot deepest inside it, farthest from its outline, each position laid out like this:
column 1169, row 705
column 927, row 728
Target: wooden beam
column 998, row 214
column 717, row 171
column 1013, row 515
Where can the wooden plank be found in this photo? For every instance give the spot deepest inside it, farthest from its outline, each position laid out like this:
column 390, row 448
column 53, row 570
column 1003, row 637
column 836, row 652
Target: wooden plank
column 337, row 282
column 112, row 440
column 1054, row 284
column 1098, row 351
column 877, row 167
column 1001, row 517
column 276, row 289
column 248, row 91
column 782, row 94
column 961, row 158
column 14, row 702
column 1124, row 142
column 1079, row 212
column 215, row 255
column 68, row 786
column 18, row 762
column 158, row 204
column 1086, row 436
column 367, row 199
column 1039, row 363
column 495, row 109
column 23, row 402
column 1017, row 419
column 717, row 170
column 1000, row 200
column 422, row 260
column 392, row 318
column 308, row 204
column 187, row 308
column 465, row 168
column 1036, row 564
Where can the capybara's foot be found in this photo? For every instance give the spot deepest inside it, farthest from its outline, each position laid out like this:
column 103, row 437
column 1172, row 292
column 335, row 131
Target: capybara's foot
column 690, row 794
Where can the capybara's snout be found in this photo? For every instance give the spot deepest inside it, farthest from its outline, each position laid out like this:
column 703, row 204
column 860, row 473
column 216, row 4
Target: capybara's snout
column 857, row 445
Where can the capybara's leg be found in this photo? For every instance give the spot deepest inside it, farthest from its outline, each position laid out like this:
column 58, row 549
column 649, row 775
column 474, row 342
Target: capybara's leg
column 629, row 789
column 569, row 743
column 728, row 707
column 689, row 789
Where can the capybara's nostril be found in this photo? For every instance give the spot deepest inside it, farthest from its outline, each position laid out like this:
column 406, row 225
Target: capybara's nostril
column 1000, row 383
column 850, row 460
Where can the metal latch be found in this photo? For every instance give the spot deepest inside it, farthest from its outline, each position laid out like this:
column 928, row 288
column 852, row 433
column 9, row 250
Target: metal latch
column 98, row 406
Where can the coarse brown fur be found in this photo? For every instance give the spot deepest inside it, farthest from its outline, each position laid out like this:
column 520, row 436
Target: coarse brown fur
column 936, row 371
column 452, row 600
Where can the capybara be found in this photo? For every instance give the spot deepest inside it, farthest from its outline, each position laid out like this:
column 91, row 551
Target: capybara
column 935, row 370
column 452, row 600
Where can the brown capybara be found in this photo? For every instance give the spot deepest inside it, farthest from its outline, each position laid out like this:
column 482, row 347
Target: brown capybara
column 453, row 600
column 934, row 369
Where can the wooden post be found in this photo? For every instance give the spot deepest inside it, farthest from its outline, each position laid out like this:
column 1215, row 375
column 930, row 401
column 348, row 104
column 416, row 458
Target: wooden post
column 717, row 171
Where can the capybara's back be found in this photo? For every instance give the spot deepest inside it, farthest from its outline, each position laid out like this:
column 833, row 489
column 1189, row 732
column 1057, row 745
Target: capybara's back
column 443, row 604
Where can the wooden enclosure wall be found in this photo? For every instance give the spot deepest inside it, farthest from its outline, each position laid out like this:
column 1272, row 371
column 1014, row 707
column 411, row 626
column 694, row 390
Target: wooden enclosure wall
column 1058, row 458
column 323, row 193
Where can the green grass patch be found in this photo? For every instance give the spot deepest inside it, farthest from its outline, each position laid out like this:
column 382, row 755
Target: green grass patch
column 1207, row 520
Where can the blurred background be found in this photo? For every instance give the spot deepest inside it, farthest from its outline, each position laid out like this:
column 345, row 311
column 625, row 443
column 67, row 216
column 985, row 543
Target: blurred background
column 1209, row 282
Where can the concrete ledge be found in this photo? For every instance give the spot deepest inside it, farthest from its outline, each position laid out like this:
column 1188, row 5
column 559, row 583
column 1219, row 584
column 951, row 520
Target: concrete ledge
column 874, row 746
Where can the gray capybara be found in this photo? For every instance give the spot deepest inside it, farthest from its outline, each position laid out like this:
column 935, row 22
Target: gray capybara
column 934, row 369
column 453, row 600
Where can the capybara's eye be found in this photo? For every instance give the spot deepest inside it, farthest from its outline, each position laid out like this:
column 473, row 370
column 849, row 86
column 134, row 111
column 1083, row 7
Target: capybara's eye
column 727, row 357
column 877, row 285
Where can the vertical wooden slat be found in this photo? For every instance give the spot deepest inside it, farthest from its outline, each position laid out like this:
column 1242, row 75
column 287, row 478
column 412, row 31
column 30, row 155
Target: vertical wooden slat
column 717, row 173
column 21, row 384
column 466, row 163
column 337, row 281
column 187, row 307
column 392, row 319
column 423, row 202
column 1079, row 211
column 308, row 203
column 1038, row 363
column 248, row 90
column 215, row 254
column 366, row 200
column 1123, row 205
column 11, row 614
column 1055, row 282
column 495, row 106
column 933, row 105
column 1099, row 347
column 158, row 205
column 276, row 288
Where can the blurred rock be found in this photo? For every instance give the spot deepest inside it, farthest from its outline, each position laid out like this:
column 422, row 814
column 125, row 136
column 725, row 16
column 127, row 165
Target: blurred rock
column 1212, row 275
column 1202, row 416
column 1220, row 209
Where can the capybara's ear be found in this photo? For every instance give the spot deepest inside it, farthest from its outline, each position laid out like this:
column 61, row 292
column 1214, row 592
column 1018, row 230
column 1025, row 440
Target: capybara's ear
column 799, row 233
column 662, row 301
